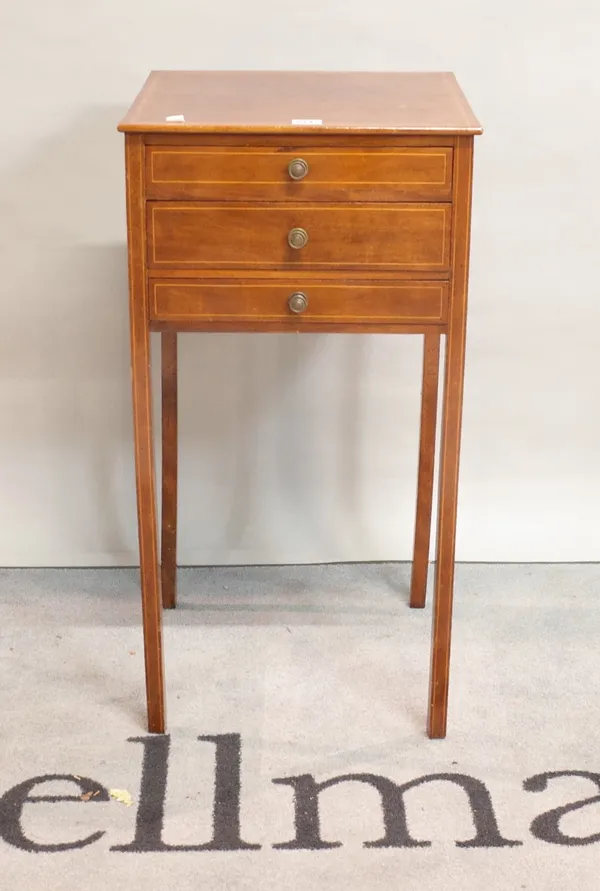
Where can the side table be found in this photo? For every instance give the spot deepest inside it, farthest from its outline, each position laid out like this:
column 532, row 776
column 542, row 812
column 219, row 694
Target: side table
column 299, row 202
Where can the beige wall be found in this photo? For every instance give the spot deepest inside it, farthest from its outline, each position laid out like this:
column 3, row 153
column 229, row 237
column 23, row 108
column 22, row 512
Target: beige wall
column 297, row 449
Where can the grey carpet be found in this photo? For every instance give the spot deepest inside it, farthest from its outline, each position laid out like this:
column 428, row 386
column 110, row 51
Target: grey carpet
column 309, row 674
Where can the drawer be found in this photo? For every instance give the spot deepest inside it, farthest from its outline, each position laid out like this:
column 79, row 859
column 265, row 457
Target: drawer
column 401, row 236
column 323, row 174
column 298, row 304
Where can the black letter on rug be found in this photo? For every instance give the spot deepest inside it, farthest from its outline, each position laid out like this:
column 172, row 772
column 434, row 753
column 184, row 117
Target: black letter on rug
column 546, row 826
column 228, row 784
column 397, row 835
column 11, row 810
column 153, row 791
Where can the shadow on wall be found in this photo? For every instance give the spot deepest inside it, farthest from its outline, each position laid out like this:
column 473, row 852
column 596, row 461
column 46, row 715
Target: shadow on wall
column 269, row 435
column 267, row 422
column 63, row 231
column 64, row 341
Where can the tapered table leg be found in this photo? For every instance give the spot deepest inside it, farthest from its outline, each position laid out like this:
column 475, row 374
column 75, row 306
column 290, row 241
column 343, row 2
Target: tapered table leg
column 169, row 469
column 429, row 400
column 144, row 445
column 450, row 443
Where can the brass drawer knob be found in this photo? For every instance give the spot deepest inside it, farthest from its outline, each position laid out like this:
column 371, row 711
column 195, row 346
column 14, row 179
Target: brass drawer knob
column 298, row 302
column 298, row 168
column 297, row 238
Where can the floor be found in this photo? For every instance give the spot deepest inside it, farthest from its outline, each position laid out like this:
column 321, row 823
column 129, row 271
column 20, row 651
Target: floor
column 296, row 754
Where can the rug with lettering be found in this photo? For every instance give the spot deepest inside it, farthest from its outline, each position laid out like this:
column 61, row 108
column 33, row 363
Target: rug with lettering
column 296, row 755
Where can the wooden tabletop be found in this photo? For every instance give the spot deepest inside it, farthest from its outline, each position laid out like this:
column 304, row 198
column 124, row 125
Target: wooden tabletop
column 301, row 102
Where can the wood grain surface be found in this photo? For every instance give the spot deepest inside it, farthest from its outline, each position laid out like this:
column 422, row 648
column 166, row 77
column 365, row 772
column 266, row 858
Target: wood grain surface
column 263, row 101
column 332, row 173
column 268, row 302
column 429, row 407
column 450, row 444
column 246, row 236
column 168, row 541
column 143, row 440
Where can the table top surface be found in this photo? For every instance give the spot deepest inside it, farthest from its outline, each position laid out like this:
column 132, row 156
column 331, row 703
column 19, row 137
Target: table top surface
column 301, row 102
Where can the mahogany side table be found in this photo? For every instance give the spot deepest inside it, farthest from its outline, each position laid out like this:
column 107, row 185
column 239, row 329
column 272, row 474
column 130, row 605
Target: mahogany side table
column 299, row 201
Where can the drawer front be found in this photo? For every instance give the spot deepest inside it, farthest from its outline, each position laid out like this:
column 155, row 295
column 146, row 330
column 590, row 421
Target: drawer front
column 300, row 305
column 323, row 174
column 406, row 236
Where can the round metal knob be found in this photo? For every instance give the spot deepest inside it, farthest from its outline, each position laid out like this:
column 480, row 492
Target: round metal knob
column 298, row 168
column 297, row 238
column 298, row 302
